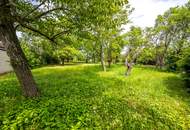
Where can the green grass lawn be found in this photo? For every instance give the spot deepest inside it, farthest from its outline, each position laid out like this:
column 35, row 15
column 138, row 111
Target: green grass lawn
column 83, row 97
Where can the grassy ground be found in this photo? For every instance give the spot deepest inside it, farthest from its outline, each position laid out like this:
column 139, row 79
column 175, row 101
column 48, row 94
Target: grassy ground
column 83, row 97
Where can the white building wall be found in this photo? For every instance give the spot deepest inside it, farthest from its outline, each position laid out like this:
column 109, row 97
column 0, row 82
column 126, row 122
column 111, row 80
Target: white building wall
column 4, row 62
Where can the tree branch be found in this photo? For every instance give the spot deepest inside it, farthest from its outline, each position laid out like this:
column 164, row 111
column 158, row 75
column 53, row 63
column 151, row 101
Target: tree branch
column 29, row 13
column 49, row 11
column 58, row 34
column 39, row 32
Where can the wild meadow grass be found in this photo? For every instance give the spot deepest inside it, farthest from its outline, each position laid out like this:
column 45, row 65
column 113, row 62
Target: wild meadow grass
column 84, row 97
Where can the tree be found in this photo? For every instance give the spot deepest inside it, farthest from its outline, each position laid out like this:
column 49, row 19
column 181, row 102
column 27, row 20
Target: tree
column 14, row 51
column 115, row 15
column 171, row 30
column 52, row 20
column 66, row 53
column 135, row 45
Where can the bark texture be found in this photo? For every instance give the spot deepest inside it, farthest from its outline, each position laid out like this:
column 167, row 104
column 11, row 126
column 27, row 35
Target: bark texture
column 102, row 57
column 129, row 68
column 17, row 58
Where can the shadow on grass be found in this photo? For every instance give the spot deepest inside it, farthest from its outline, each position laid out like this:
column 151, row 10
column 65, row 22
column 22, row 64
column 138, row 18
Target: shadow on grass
column 176, row 88
column 152, row 67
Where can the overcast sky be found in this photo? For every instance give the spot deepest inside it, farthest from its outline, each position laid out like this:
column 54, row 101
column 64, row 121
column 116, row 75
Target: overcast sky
column 146, row 11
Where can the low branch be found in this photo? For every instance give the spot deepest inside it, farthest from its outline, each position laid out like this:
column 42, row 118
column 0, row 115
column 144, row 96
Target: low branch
column 58, row 34
column 39, row 32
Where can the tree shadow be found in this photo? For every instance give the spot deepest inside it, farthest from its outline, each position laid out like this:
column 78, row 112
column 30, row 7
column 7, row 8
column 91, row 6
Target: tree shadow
column 152, row 67
column 176, row 88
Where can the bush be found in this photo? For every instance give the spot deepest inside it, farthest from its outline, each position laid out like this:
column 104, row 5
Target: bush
column 184, row 65
column 171, row 62
column 33, row 58
column 147, row 57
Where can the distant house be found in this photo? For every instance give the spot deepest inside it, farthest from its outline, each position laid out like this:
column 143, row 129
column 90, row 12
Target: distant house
column 4, row 61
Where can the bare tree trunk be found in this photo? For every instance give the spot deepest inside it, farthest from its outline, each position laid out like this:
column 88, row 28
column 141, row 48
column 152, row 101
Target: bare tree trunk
column 18, row 60
column 102, row 57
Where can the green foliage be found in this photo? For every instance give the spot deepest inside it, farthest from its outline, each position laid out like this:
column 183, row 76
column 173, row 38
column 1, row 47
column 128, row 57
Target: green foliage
column 135, row 37
column 184, row 64
column 171, row 34
column 82, row 97
column 58, row 18
column 135, row 43
column 33, row 58
column 38, row 51
column 147, row 57
column 66, row 53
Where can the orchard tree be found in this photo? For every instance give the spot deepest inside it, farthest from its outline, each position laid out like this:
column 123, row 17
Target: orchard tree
column 66, row 53
column 50, row 19
column 135, row 44
column 114, row 14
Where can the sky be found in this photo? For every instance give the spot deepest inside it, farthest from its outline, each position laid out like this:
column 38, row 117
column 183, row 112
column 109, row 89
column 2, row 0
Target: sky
column 146, row 11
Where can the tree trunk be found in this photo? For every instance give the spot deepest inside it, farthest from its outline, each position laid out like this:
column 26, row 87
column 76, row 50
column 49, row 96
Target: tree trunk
column 161, row 61
column 157, row 57
column 63, row 61
column 116, row 59
column 129, row 68
column 86, row 60
column 109, row 57
column 102, row 57
column 109, row 63
column 157, row 61
column 94, row 58
column 18, row 60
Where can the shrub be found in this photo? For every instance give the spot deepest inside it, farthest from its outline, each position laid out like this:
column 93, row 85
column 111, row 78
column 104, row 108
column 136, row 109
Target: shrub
column 33, row 58
column 184, row 65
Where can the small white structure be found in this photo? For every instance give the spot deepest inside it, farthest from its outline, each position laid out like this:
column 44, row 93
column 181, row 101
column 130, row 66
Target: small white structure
column 4, row 61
